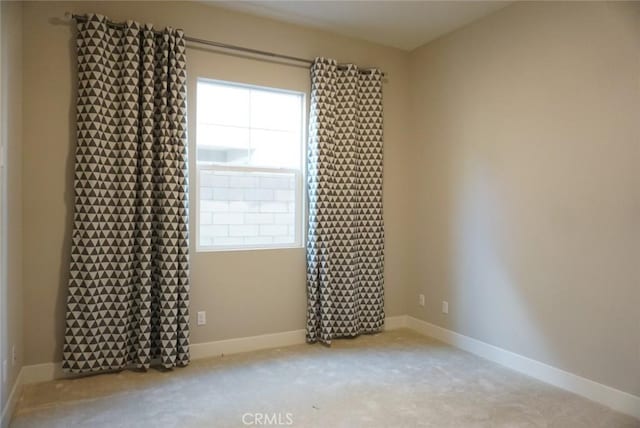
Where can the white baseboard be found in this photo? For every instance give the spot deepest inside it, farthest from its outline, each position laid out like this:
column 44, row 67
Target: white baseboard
column 43, row 373
column 12, row 401
column 611, row 397
column 396, row 322
column 266, row 341
column 50, row 371
column 246, row 344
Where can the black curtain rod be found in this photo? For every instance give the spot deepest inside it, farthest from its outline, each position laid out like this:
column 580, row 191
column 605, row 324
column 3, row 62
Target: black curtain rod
column 83, row 18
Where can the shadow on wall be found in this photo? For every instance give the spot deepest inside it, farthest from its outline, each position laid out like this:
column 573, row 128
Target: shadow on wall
column 527, row 155
column 69, row 198
column 484, row 270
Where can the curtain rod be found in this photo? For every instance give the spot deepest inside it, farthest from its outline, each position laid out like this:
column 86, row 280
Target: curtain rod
column 83, row 18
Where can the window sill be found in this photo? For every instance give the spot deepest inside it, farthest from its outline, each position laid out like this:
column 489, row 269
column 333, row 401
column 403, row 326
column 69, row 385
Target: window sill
column 242, row 249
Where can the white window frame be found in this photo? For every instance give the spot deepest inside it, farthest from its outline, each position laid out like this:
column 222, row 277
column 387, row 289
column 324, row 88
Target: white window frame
column 300, row 179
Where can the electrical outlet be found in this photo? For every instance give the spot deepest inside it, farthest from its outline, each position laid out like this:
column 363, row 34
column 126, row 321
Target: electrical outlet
column 202, row 318
column 421, row 299
column 13, row 355
column 445, row 307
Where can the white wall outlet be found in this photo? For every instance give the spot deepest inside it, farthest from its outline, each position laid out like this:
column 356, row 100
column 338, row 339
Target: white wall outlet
column 421, row 299
column 445, row 307
column 202, row 318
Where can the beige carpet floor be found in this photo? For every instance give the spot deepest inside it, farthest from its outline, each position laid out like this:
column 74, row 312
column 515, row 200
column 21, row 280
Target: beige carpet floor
column 393, row 379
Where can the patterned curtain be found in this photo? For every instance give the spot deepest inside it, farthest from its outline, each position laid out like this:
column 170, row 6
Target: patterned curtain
column 128, row 292
column 345, row 246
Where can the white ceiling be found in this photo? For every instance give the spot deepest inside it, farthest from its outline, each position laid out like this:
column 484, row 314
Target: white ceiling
column 401, row 24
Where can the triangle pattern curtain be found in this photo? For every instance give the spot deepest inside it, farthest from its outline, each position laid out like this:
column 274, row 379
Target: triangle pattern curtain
column 128, row 297
column 345, row 245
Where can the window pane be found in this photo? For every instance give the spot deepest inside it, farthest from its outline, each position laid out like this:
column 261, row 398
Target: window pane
column 223, row 144
column 223, row 104
column 277, row 111
column 245, row 136
column 275, row 149
column 223, row 136
column 246, row 208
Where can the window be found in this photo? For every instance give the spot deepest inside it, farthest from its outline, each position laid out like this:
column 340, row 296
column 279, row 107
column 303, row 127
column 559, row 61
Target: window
column 249, row 144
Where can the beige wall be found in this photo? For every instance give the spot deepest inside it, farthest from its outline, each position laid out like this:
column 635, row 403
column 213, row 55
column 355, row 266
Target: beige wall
column 244, row 293
column 527, row 157
column 11, row 135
